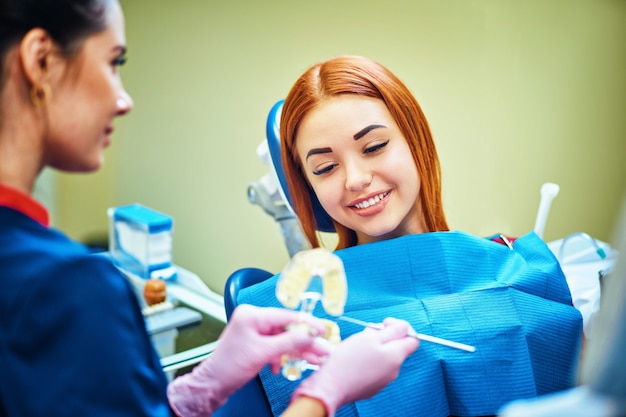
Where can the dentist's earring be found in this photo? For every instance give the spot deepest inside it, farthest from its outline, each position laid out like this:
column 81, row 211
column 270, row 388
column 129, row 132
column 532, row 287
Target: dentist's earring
column 41, row 95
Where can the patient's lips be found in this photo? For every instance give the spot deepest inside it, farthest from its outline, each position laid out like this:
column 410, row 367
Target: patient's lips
column 371, row 205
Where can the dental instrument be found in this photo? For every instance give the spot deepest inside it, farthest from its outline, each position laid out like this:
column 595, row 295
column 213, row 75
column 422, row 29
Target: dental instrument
column 412, row 333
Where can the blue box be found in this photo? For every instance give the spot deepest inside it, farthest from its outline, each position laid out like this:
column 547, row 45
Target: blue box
column 140, row 241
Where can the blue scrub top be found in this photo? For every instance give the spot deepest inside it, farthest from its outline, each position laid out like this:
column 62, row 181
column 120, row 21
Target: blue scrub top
column 72, row 337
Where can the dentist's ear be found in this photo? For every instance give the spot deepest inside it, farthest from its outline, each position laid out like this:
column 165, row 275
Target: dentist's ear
column 35, row 53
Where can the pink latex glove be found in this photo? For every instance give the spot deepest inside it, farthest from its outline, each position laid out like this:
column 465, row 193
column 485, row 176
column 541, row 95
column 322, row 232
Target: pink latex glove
column 253, row 337
column 360, row 366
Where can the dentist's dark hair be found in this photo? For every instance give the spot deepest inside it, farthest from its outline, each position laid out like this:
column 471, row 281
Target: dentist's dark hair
column 69, row 22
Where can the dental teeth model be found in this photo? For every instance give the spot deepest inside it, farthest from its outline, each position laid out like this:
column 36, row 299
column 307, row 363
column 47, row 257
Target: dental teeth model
column 312, row 275
column 332, row 332
column 299, row 282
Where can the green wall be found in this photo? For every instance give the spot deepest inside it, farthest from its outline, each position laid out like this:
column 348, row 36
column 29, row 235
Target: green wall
column 517, row 93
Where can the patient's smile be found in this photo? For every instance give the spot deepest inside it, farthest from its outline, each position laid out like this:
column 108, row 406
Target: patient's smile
column 372, row 205
column 370, row 201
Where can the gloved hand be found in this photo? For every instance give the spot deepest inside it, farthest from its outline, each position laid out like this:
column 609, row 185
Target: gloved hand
column 253, row 337
column 360, row 366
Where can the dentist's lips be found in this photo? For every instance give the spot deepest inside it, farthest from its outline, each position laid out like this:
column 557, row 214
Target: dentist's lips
column 107, row 135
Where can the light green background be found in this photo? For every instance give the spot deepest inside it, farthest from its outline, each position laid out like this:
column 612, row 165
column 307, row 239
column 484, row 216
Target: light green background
column 517, row 93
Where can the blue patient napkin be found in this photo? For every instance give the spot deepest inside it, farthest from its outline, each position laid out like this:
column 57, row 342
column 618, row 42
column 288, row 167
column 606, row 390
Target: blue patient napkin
column 514, row 306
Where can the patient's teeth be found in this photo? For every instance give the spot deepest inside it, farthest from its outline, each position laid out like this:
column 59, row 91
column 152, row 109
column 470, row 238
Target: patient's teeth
column 370, row 202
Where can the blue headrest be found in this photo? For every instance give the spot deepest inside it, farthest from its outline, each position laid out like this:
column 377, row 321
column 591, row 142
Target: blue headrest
column 272, row 131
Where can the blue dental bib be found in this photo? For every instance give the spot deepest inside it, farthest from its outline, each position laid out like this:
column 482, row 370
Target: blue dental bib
column 514, row 306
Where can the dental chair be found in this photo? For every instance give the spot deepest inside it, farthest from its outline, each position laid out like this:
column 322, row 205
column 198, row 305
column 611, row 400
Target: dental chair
column 249, row 400
column 271, row 192
column 272, row 195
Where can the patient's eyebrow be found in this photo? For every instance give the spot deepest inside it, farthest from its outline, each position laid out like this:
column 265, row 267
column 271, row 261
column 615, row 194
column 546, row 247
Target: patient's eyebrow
column 316, row 151
column 358, row 135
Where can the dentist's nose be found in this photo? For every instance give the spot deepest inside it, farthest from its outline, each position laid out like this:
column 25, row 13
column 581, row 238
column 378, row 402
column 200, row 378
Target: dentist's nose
column 358, row 176
column 124, row 103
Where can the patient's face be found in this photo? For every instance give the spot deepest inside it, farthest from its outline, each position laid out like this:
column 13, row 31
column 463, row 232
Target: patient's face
column 361, row 168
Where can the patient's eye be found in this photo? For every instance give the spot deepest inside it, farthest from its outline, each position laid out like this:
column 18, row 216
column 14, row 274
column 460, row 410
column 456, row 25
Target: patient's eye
column 325, row 169
column 374, row 148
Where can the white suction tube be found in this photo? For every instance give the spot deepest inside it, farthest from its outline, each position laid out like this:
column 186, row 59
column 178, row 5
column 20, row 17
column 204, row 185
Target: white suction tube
column 549, row 190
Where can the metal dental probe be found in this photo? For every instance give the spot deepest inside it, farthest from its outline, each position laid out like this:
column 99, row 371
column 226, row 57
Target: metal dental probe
column 412, row 333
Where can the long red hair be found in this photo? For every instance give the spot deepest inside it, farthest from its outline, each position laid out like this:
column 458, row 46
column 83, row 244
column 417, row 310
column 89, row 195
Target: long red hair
column 361, row 76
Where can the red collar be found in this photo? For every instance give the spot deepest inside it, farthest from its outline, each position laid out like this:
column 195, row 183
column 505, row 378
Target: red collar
column 24, row 203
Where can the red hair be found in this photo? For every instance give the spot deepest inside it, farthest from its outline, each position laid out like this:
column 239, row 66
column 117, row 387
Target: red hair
column 360, row 76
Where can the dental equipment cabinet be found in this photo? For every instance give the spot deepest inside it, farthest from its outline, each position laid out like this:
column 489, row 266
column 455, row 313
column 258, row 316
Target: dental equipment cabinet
column 184, row 327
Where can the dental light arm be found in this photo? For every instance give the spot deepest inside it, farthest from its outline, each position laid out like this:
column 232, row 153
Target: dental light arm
column 267, row 194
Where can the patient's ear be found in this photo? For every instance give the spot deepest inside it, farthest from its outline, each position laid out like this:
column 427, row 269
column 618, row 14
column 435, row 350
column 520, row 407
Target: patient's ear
column 36, row 55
